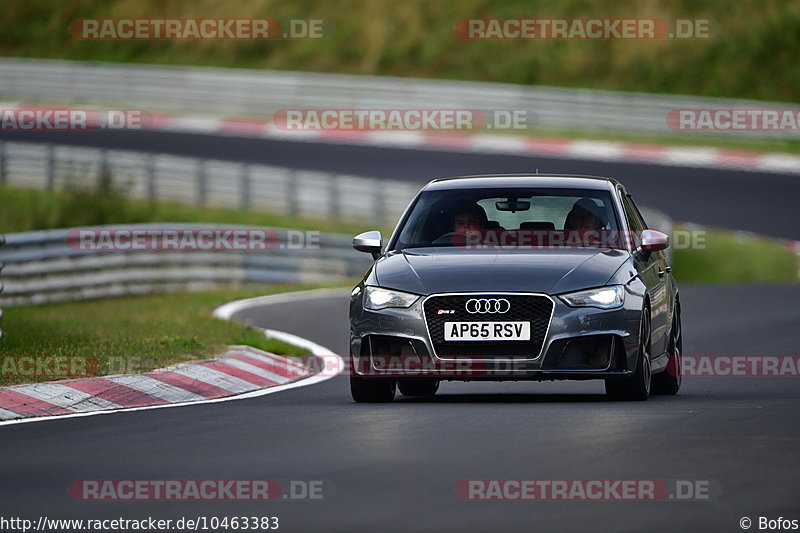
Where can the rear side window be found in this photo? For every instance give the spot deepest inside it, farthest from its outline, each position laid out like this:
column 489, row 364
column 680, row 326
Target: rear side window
column 638, row 213
column 635, row 221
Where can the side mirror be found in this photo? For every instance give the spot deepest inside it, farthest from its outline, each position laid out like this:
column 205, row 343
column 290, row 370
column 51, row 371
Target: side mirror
column 370, row 242
column 653, row 241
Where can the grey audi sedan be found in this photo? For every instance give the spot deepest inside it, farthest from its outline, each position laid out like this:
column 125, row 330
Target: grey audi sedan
column 516, row 277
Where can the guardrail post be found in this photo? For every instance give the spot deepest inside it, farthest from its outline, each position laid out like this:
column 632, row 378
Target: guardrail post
column 2, row 163
column 202, row 182
column 292, row 204
column 244, row 187
column 333, row 194
column 2, row 242
column 378, row 201
column 104, row 178
column 50, row 167
column 150, row 166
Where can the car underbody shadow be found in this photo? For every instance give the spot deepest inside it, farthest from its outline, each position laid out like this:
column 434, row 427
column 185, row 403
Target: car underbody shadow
column 507, row 398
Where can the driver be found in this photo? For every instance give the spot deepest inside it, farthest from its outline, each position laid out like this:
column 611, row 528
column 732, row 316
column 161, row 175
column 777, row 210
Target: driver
column 468, row 216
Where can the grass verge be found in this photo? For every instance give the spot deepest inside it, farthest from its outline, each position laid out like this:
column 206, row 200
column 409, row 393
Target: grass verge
column 130, row 334
column 730, row 257
column 32, row 209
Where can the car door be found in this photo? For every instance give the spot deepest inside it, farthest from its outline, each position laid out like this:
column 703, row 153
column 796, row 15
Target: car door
column 651, row 267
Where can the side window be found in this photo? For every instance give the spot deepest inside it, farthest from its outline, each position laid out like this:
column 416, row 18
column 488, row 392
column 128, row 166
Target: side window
column 637, row 213
column 630, row 214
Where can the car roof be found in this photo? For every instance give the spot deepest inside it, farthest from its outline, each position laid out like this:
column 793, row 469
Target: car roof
column 566, row 181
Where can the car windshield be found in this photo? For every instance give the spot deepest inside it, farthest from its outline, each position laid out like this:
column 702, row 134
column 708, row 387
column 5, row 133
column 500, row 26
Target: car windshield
column 511, row 217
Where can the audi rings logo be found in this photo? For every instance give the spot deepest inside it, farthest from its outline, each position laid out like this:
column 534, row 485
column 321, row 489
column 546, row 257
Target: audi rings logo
column 488, row 305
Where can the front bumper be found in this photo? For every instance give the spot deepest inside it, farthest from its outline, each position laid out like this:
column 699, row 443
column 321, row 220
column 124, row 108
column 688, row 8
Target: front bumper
column 580, row 343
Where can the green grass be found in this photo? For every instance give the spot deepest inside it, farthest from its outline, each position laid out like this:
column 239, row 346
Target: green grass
column 132, row 334
column 736, row 257
column 31, row 209
column 751, row 53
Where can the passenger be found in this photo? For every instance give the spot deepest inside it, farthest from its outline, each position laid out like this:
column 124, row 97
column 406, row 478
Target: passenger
column 585, row 215
column 584, row 223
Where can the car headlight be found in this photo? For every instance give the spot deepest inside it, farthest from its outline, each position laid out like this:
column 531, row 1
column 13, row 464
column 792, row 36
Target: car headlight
column 602, row 297
column 376, row 298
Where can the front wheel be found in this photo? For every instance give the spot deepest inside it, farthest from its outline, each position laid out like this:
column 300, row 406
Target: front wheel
column 372, row 390
column 637, row 386
column 668, row 382
column 418, row 386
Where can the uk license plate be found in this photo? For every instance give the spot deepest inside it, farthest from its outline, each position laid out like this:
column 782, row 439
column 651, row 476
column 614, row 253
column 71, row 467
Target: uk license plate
column 487, row 331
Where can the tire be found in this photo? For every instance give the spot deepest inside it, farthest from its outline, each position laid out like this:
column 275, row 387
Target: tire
column 372, row 390
column 418, row 386
column 637, row 386
column 668, row 382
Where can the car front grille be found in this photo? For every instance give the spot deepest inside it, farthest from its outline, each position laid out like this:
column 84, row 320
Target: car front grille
column 535, row 309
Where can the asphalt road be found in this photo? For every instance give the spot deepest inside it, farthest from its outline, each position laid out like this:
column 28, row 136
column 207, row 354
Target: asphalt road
column 394, row 467
column 760, row 202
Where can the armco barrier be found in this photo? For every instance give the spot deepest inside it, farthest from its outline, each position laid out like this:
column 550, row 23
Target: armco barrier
column 261, row 93
column 40, row 266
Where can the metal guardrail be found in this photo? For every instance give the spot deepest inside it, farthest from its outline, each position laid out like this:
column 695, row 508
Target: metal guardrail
column 41, row 266
column 262, row 93
column 316, row 195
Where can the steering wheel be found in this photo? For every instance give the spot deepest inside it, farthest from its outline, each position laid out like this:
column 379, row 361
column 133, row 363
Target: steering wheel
column 447, row 238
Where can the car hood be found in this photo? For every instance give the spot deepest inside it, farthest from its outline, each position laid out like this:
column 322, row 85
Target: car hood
column 432, row 270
